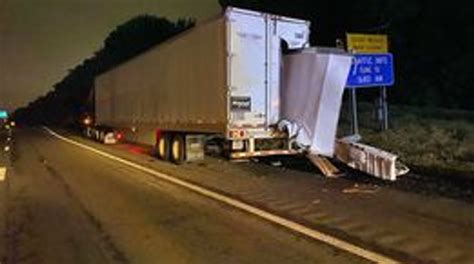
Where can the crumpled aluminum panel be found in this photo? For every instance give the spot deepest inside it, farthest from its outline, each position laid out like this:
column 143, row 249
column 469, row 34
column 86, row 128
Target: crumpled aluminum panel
column 371, row 160
column 313, row 84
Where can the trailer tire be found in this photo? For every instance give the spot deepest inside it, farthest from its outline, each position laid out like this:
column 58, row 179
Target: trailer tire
column 178, row 149
column 226, row 149
column 102, row 136
column 96, row 134
column 163, row 147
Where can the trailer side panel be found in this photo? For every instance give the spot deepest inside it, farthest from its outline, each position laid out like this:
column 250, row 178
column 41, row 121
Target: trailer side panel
column 179, row 85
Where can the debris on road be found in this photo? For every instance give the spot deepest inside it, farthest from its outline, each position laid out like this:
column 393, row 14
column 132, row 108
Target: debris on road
column 361, row 189
column 277, row 163
column 371, row 160
column 325, row 166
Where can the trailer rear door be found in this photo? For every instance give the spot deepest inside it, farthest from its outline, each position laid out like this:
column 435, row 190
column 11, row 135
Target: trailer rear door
column 254, row 63
column 247, row 40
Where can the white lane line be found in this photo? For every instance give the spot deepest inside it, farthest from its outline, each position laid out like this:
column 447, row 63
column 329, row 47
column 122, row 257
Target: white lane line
column 296, row 227
column 3, row 173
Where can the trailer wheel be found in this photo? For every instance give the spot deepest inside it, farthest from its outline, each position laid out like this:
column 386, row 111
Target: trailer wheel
column 178, row 149
column 96, row 134
column 102, row 136
column 163, row 146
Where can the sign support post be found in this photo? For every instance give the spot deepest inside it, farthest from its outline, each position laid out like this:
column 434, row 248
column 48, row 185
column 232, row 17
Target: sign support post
column 384, row 108
column 355, row 120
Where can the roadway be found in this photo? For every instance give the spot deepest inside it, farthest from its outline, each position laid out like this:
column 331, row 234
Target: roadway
column 68, row 205
column 62, row 203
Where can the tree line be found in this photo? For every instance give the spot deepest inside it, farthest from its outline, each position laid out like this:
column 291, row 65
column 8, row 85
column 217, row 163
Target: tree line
column 71, row 97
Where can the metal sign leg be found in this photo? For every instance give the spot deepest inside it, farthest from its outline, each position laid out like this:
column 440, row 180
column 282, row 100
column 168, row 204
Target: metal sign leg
column 355, row 121
column 384, row 108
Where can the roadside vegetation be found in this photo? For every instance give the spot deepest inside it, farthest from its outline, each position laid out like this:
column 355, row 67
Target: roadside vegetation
column 71, row 98
column 431, row 141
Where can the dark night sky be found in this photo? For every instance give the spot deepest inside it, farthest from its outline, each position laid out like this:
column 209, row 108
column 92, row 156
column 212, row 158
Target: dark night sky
column 41, row 39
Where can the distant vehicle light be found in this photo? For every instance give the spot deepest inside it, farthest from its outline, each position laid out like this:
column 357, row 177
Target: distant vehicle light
column 12, row 123
column 87, row 121
column 118, row 136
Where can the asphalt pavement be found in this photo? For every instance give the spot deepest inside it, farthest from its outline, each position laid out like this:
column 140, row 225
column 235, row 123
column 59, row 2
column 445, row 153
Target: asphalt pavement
column 62, row 204
column 68, row 204
column 410, row 224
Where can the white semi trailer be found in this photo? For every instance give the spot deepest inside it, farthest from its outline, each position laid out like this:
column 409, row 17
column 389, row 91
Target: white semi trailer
column 219, row 79
column 229, row 80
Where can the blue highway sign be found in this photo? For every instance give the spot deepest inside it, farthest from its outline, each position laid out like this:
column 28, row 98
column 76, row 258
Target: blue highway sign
column 370, row 70
column 3, row 114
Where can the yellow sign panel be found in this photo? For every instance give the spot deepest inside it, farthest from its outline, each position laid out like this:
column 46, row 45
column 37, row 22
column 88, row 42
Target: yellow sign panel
column 366, row 43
